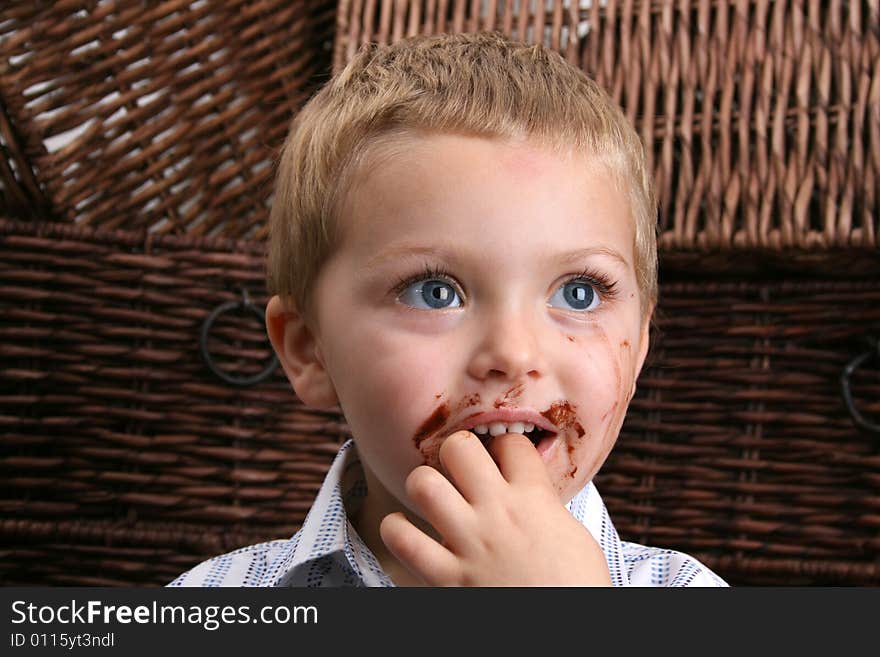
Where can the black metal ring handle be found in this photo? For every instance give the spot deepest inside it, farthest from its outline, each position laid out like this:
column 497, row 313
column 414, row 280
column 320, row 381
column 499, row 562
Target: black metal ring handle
column 845, row 390
column 244, row 304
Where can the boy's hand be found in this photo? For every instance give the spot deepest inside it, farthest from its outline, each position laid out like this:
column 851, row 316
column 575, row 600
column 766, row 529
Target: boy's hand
column 502, row 525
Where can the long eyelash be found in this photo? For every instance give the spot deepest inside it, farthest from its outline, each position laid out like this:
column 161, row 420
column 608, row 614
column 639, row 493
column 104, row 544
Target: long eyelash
column 601, row 281
column 428, row 272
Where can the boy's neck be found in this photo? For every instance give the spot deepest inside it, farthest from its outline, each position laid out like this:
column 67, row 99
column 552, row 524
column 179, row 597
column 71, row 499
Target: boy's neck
column 377, row 504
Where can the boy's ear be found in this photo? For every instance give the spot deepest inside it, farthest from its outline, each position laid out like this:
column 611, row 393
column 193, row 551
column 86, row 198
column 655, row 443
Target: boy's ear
column 300, row 355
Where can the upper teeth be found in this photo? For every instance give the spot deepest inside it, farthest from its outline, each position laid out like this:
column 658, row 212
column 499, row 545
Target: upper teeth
column 499, row 428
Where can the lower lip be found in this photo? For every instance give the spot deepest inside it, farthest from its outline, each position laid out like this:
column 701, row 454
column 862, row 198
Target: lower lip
column 546, row 446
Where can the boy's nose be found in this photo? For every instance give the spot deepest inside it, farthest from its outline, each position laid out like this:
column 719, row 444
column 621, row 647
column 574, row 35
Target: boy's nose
column 507, row 347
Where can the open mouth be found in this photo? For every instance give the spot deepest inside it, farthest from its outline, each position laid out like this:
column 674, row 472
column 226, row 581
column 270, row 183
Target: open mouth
column 535, row 434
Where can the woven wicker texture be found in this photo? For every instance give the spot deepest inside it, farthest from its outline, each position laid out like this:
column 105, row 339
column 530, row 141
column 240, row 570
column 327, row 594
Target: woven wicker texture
column 739, row 446
column 146, row 114
column 125, row 461
column 761, row 118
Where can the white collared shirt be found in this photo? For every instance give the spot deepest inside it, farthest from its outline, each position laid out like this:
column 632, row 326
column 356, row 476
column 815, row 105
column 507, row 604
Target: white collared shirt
column 327, row 551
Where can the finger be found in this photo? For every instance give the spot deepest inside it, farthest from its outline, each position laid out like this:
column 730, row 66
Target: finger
column 441, row 504
column 417, row 552
column 469, row 466
column 518, row 460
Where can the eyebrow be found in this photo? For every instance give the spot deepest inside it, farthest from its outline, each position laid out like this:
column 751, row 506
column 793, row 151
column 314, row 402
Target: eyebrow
column 582, row 254
column 410, row 250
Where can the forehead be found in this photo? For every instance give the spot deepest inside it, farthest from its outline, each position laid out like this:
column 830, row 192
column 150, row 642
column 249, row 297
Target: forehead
column 423, row 153
column 477, row 189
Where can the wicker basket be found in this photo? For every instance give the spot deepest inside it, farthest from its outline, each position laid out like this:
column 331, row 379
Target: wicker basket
column 146, row 114
column 125, row 460
column 761, row 119
column 739, row 446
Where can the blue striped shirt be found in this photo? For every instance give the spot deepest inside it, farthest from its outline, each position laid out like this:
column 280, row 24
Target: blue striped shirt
column 327, row 551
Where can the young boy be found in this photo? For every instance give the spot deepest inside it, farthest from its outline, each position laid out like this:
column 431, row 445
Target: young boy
column 463, row 257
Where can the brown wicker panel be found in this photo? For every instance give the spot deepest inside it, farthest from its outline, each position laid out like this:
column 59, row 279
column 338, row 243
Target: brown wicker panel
column 117, row 440
column 761, row 117
column 739, row 448
column 124, row 461
column 165, row 115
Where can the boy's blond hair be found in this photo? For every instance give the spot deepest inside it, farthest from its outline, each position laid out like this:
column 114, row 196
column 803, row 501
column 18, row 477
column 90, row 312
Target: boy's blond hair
column 479, row 84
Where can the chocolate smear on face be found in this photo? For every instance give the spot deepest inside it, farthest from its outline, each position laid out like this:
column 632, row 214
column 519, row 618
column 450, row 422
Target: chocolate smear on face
column 510, row 395
column 574, row 467
column 563, row 415
column 432, row 424
column 470, row 400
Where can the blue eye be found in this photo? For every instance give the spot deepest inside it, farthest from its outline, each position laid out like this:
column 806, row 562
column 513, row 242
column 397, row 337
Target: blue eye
column 579, row 294
column 434, row 294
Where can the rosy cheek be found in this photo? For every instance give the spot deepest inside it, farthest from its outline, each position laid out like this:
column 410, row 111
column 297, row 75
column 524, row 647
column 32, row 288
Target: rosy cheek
column 610, row 372
column 386, row 367
column 622, row 367
column 610, row 411
column 626, row 355
column 613, row 415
